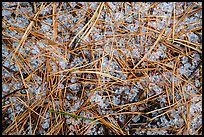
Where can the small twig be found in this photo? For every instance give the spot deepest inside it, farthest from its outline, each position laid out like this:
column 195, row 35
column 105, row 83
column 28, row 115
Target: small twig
column 13, row 92
column 74, row 116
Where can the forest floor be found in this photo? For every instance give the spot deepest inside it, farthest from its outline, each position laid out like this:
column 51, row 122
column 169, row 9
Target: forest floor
column 102, row 68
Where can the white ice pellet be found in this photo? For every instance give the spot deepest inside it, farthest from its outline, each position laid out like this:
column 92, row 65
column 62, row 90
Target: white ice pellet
column 96, row 98
column 6, row 13
column 182, row 70
column 102, row 104
column 63, row 64
column 5, row 88
column 45, row 27
column 42, row 45
column 13, row 99
column 9, row 110
column 119, row 16
column 133, row 108
column 124, row 76
column 129, row 19
column 75, row 107
column 193, row 37
column 113, row 7
column 69, row 96
column 197, row 83
column 71, row 133
column 11, row 116
column 116, row 101
column 74, row 98
column 196, row 57
column 73, row 79
column 187, row 67
column 160, row 53
column 45, row 124
column 126, row 128
column 121, row 118
column 7, row 102
column 7, row 63
column 73, row 86
column 184, row 59
column 18, row 107
column 61, row 86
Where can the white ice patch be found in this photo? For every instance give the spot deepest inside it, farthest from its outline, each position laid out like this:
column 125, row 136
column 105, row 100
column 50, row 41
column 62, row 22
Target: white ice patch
column 45, row 124
column 96, row 97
